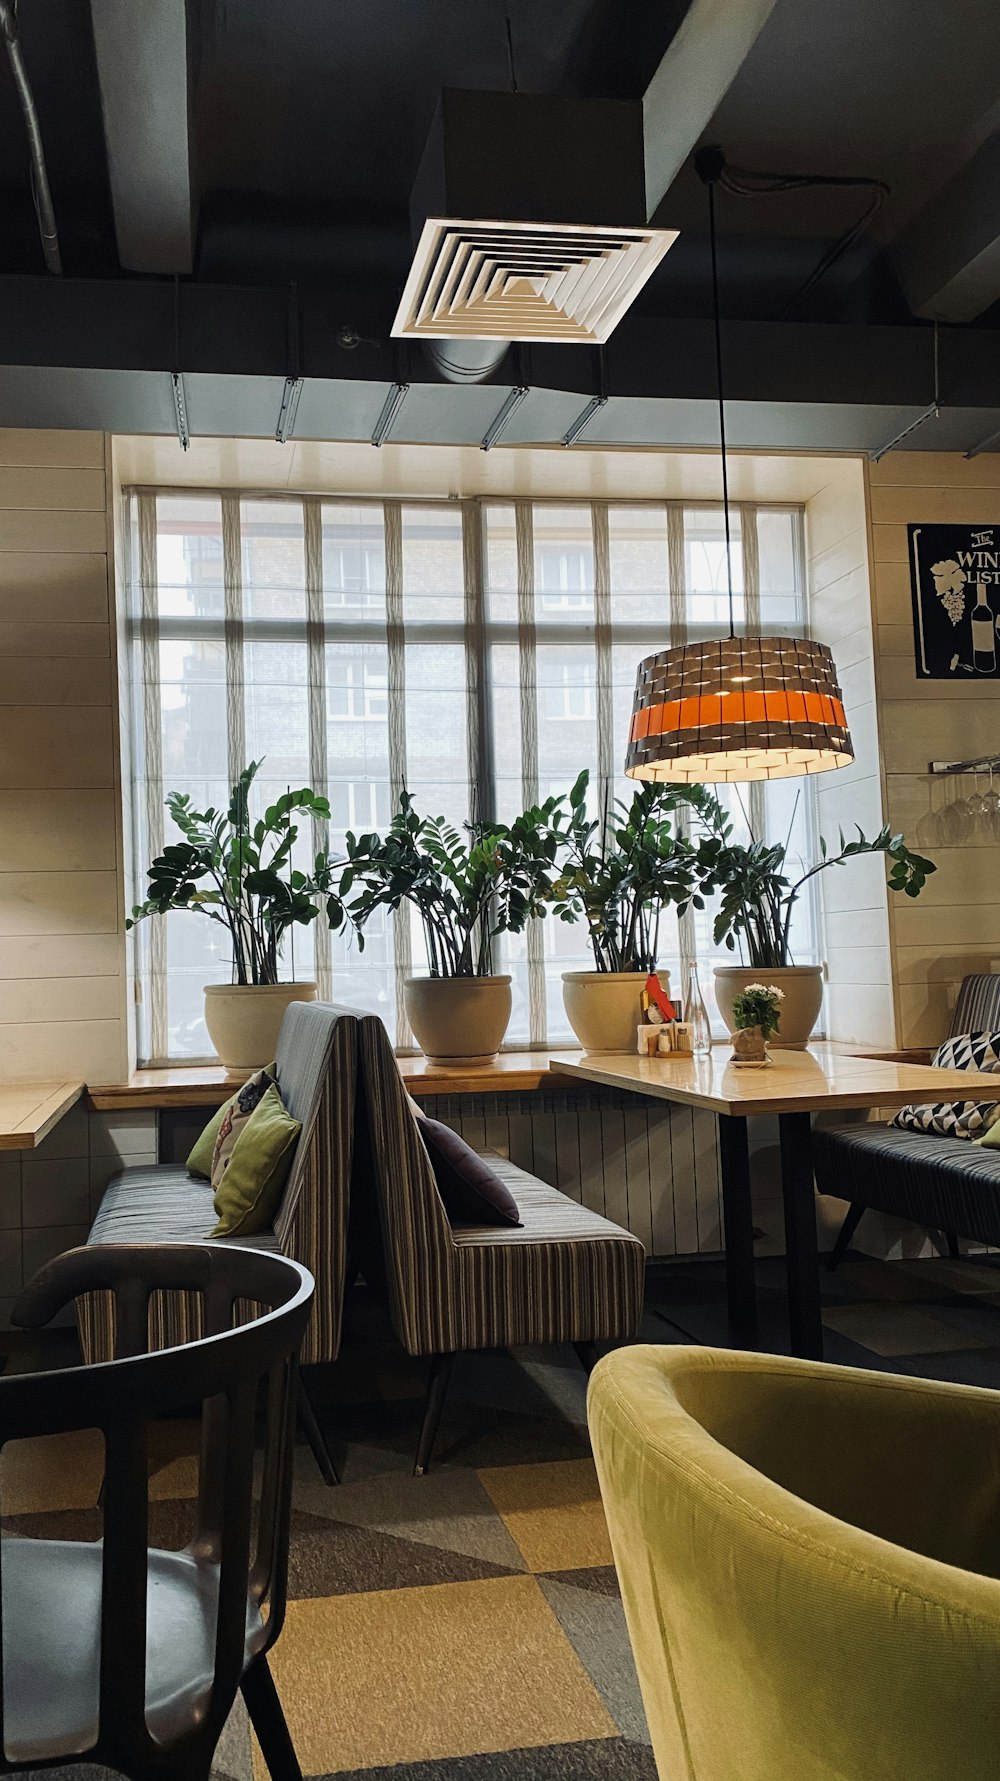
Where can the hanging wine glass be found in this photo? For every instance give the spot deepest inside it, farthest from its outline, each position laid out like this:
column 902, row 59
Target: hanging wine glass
column 976, row 807
column 991, row 803
column 951, row 816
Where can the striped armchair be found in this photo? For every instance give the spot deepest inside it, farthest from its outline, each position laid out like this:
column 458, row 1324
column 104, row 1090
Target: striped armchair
column 316, row 1071
column 943, row 1184
column 567, row 1275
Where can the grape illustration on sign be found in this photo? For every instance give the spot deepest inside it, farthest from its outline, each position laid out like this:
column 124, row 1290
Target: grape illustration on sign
column 955, row 585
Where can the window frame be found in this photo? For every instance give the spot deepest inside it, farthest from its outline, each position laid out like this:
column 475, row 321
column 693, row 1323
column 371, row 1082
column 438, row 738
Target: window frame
column 362, row 617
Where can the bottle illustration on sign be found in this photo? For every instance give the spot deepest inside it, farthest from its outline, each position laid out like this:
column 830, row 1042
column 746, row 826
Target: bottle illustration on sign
column 984, row 649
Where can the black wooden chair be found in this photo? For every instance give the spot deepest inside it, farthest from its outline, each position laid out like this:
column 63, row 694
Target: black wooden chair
column 113, row 1652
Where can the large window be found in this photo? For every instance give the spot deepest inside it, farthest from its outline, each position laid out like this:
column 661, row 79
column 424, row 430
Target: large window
column 476, row 652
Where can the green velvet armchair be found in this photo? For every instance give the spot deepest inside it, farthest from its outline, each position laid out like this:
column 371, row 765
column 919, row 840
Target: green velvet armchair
column 809, row 1559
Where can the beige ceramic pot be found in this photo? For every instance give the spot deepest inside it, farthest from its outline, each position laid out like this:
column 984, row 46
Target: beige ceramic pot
column 603, row 1007
column 802, row 986
column 244, row 1019
column 458, row 1021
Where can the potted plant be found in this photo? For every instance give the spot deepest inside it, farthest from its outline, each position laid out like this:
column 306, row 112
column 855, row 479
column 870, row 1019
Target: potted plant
column 757, row 901
column 618, row 874
column 756, row 1018
column 468, row 883
column 240, row 875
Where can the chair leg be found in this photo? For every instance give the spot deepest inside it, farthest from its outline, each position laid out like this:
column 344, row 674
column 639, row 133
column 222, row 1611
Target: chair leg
column 437, row 1389
column 314, row 1435
column 952, row 1242
column 588, row 1354
column 268, row 1721
column 855, row 1214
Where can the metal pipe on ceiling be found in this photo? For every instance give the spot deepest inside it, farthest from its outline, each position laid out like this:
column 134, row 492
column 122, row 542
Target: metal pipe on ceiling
column 466, row 361
column 40, row 191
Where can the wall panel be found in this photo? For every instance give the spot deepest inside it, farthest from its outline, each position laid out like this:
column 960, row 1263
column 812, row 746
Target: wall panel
column 954, row 927
column 62, row 978
column 859, row 1006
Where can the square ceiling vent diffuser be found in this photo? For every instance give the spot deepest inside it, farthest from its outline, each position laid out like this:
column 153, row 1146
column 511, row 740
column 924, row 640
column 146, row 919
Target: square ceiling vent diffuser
column 529, row 219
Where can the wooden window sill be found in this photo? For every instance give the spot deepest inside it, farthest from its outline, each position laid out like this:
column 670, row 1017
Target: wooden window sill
column 210, row 1085
column 514, row 1072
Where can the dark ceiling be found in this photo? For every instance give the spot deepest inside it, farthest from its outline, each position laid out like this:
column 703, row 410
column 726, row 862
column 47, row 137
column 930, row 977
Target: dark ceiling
column 227, row 150
column 307, row 121
column 328, row 102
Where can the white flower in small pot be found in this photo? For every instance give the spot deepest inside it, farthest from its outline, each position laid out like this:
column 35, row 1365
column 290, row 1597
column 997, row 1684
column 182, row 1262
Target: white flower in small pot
column 757, row 1017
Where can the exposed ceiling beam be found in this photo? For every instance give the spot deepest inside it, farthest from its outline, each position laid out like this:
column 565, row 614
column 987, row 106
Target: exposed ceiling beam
column 948, row 260
column 93, row 353
column 704, row 58
column 142, row 65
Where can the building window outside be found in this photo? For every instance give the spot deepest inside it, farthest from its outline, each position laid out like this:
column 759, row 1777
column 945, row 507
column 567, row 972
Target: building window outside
column 338, row 639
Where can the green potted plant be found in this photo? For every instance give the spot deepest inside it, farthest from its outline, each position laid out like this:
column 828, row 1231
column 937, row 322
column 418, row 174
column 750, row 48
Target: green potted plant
column 469, row 883
column 756, row 1018
column 757, row 898
column 239, row 874
column 618, row 874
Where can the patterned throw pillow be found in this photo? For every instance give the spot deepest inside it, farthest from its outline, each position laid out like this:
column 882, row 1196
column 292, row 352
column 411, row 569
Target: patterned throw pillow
column 203, row 1150
column 958, row 1119
column 236, row 1115
column 250, row 1189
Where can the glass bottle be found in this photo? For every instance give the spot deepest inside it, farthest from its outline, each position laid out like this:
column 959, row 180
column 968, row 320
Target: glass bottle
column 984, row 654
column 696, row 1014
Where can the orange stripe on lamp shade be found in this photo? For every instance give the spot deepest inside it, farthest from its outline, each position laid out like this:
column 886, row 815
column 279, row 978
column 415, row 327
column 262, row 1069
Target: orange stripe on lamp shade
column 713, row 709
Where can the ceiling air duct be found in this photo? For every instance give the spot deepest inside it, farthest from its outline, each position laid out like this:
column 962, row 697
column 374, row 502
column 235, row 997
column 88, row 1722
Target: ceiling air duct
column 529, row 219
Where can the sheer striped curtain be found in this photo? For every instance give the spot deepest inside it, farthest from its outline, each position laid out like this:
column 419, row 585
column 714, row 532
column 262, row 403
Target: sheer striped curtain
column 479, row 653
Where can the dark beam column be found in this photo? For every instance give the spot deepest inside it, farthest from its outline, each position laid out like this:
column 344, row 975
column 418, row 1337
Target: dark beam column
column 142, row 65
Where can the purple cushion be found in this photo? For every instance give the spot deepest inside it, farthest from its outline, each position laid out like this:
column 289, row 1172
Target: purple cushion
column 470, row 1190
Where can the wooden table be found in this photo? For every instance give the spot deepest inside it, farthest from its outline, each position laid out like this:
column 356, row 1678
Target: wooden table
column 29, row 1110
column 796, row 1085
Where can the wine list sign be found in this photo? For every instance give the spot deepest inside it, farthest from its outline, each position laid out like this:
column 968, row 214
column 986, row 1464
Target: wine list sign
column 955, row 584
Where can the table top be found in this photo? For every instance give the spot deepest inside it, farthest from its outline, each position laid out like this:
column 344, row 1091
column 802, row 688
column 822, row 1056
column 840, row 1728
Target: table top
column 29, row 1110
column 818, row 1080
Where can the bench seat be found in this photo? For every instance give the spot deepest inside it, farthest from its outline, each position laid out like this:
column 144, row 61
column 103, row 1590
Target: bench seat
column 947, row 1184
column 160, row 1203
column 564, row 1275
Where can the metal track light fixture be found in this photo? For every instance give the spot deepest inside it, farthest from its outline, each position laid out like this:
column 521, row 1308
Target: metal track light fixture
column 735, row 708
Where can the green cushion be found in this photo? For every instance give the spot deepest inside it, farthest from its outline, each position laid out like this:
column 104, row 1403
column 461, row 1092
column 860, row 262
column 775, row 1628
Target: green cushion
column 249, row 1192
column 200, row 1160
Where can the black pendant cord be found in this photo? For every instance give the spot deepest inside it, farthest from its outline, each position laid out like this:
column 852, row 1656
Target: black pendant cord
column 510, row 55
column 717, row 319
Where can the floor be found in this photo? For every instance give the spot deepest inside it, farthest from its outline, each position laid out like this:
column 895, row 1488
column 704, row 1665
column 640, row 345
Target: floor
column 466, row 1626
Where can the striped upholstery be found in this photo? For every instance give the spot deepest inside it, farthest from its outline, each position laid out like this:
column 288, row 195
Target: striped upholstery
column 977, row 1009
column 945, row 1183
column 316, row 1070
column 940, row 1182
column 567, row 1276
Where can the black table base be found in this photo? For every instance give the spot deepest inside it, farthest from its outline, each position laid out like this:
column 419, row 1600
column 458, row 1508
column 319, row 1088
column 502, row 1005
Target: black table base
column 801, row 1249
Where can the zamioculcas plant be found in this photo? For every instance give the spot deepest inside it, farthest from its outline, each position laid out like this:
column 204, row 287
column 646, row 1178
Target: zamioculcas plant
column 240, row 874
column 757, row 894
column 619, row 872
column 468, row 882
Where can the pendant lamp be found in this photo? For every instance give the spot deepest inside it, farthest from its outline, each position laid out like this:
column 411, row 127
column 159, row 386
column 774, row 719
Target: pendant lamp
column 735, row 708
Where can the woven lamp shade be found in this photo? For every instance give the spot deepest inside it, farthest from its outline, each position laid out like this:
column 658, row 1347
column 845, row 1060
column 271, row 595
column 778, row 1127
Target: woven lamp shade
column 738, row 709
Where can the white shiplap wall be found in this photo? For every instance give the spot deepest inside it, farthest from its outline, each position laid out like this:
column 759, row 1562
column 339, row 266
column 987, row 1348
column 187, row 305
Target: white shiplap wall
column 62, row 978
column 954, row 926
column 859, row 997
